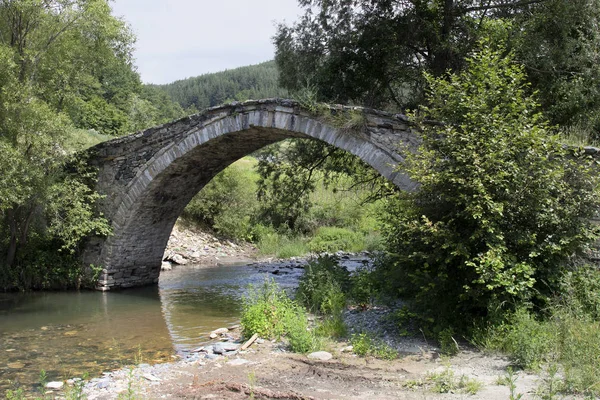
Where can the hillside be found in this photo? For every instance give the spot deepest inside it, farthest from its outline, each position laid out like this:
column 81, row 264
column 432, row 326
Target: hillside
column 239, row 84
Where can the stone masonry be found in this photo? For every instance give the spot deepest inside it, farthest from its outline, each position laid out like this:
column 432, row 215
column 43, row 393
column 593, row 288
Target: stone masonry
column 149, row 177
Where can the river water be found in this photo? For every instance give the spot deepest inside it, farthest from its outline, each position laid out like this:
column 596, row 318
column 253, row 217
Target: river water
column 68, row 334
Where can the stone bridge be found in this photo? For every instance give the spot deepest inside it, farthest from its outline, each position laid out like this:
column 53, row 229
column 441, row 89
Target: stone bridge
column 149, row 177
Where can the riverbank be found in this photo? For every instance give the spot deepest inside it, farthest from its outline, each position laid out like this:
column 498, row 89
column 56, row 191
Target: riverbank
column 268, row 370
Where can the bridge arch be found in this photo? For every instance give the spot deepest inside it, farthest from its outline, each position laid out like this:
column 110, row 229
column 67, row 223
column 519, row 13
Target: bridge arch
column 149, row 177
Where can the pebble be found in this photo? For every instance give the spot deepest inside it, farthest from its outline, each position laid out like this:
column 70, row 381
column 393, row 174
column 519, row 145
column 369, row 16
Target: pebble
column 220, row 331
column 55, row 385
column 102, row 384
column 15, row 365
column 320, row 355
column 151, row 378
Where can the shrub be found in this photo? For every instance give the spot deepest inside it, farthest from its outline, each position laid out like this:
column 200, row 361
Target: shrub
column 500, row 205
column 321, row 287
column 331, row 239
column 363, row 288
column 226, row 204
column 270, row 313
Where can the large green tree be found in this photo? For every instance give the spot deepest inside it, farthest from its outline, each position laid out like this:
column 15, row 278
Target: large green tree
column 65, row 68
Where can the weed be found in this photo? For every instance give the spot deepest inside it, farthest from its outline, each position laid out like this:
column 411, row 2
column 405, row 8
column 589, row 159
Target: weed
column 331, row 239
column 42, row 381
column 446, row 382
column 270, row 313
column 251, row 383
column 332, row 327
column 75, row 392
column 363, row 345
column 448, row 344
column 510, row 380
column 15, row 394
column 321, row 287
column 130, row 392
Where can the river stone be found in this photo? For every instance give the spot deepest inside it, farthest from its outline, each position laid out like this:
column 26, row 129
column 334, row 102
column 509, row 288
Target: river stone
column 179, row 259
column 102, row 384
column 15, row 365
column 211, row 356
column 54, row 385
column 220, row 331
column 320, row 355
column 222, row 347
column 166, row 266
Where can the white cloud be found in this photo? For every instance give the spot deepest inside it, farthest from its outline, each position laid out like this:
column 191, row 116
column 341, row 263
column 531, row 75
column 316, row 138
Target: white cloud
column 182, row 38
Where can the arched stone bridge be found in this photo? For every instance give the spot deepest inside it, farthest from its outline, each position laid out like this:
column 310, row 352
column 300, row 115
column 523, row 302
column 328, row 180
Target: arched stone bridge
column 149, row 177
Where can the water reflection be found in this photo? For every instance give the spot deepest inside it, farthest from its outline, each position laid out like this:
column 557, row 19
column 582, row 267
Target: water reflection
column 68, row 334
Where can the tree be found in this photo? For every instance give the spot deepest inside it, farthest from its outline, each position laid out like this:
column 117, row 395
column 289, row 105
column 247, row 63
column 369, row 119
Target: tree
column 374, row 53
column 558, row 42
column 501, row 205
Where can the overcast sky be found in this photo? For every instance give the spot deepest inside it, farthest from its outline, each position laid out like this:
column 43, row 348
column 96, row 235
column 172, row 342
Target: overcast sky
column 177, row 39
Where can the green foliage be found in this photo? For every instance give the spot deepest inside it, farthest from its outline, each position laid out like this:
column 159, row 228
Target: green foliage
column 363, row 286
column 448, row 345
column 270, row 313
column 363, row 345
column 239, row 84
column 290, row 172
column 446, row 382
column 323, row 285
column 282, row 245
column 566, row 339
column 226, row 204
column 331, row 239
column 499, row 207
column 558, row 42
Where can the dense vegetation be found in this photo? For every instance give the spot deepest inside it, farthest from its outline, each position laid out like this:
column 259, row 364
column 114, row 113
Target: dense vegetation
column 240, row 84
column 67, row 81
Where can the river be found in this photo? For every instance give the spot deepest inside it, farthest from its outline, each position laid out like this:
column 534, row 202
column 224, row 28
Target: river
column 69, row 334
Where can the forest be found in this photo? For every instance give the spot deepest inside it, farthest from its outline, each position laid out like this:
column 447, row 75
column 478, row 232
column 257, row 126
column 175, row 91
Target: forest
column 492, row 248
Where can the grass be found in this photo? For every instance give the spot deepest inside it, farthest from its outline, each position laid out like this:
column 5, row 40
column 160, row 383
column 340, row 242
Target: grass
column 364, row 345
column 338, row 219
column 270, row 313
column 571, row 341
column 446, row 382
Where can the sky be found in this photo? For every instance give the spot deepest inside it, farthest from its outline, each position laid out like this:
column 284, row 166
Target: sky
column 177, row 39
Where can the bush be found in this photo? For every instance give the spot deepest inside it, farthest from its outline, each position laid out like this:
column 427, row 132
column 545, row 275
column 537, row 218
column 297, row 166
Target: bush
column 322, row 286
column 500, row 204
column 332, row 239
column 363, row 286
column 270, row 313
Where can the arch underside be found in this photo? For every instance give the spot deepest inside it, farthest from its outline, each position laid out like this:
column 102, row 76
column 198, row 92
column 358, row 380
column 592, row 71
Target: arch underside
column 143, row 218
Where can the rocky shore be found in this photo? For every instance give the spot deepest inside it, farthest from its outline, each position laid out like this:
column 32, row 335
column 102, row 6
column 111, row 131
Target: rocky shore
column 267, row 370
